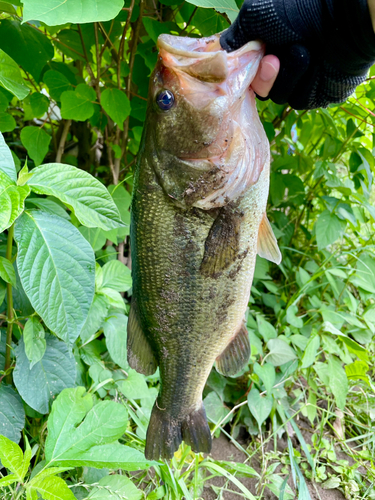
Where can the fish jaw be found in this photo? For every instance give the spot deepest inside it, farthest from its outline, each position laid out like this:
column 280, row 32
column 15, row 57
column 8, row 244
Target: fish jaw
column 213, row 125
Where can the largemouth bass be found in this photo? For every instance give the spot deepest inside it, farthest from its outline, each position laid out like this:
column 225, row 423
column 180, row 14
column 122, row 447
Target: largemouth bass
column 198, row 222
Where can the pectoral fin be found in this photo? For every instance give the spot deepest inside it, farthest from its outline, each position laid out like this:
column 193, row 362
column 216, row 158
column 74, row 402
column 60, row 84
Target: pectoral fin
column 140, row 355
column 222, row 243
column 267, row 243
column 236, row 355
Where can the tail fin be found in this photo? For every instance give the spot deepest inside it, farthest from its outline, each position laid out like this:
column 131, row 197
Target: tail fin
column 165, row 433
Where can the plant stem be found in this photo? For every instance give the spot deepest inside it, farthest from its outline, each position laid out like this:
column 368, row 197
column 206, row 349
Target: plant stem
column 10, row 308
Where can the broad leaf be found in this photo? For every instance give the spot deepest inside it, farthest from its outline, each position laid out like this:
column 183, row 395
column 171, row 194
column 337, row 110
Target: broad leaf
column 12, row 413
column 53, row 488
column 11, row 78
column 6, row 160
column 267, row 375
column 7, row 123
column 78, row 104
column 34, row 339
column 97, row 314
column 12, row 457
column 338, row 381
column 39, row 385
column 57, row 270
column 115, row 333
column 57, row 83
column 27, row 45
column 48, row 205
column 56, row 12
column 12, row 201
column 95, row 236
column 357, row 370
column 280, row 352
column 116, row 104
column 90, row 200
column 7, row 272
column 310, row 352
column 259, row 406
column 115, row 487
column 36, row 141
column 134, row 386
column 228, row 7
column 329, row 228
column 81, row 434
column 116, row 276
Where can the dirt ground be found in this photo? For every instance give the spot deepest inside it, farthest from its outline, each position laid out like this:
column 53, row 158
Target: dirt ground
column 223, row 449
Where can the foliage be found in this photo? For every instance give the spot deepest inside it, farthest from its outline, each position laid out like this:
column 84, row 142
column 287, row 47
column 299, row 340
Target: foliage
column 73, row 88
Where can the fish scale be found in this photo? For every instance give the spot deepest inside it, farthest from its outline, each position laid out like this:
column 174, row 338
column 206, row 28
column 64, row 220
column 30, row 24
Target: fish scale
column 192, row 267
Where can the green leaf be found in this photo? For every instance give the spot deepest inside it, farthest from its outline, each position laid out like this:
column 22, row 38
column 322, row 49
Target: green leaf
column 34, row 339
column 53, row 488
column 291, row 317
column 7, row 480
column 265, row 328
column 280, row 352
column 357, row 370
column 6, row 160
column 78, row 104
column 12, row 201
column 259, row 406
column 134, row 386
column 39, row 104
column 48, row 205
column 39, row 385
column 116, row 276
column 209, row 22
column 115, row 487
column 97, row 314
column 216, row 409
column 228, row 7
column 90, row 200
column 338, row 381
column 57, row 270
column 155, row 28
column 310, row 353
column 115, row 333
column 7, row 271
column 11, row 78
column 267, row 374
column 12, row 413
column 116, row 104
column 329, row 228
column 94, row 235
column 7, row 122
column 56, row 12
column 81, row 434
column 57, row 83
column 28, row 46
column 12, row 457
column 36, row 141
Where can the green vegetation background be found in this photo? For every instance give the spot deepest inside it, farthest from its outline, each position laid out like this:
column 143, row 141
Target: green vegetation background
column 73, row 88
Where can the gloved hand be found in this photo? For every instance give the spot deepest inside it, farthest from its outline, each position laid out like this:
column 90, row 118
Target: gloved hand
column 325, row 47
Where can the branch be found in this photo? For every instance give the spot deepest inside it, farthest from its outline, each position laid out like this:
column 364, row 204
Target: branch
column 64, row 135
column 9, row 308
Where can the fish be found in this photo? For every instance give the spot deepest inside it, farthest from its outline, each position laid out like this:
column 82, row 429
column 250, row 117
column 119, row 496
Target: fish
column 198, row 221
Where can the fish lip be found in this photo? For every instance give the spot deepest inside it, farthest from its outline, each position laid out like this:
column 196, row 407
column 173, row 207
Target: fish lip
column 165, row 42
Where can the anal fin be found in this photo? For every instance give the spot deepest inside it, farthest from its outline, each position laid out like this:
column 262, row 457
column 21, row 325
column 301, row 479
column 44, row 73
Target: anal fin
column 267, row 243
column 140, row 355
column 236, row 355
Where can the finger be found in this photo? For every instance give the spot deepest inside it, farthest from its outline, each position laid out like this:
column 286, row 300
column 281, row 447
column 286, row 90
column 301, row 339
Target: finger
column 266, row 76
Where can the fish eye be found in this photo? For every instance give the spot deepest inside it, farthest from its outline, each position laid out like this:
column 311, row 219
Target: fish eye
column 165, row 100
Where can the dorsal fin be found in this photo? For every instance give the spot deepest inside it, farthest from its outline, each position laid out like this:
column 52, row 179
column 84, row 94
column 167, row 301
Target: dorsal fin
column 267, row 243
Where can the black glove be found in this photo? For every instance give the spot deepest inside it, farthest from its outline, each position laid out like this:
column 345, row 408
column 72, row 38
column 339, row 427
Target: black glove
column 325, row 47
